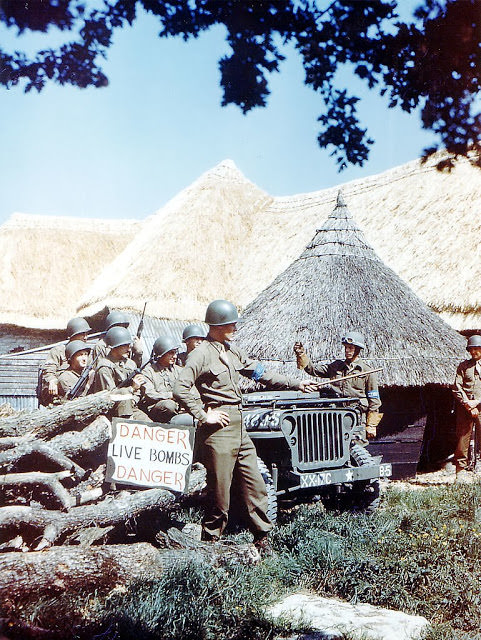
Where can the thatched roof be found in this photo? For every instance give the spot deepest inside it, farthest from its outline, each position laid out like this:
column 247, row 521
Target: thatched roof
column 423, row 223
column 224, row 237
column 189, row 253
column 340, row 284
column 46, row 263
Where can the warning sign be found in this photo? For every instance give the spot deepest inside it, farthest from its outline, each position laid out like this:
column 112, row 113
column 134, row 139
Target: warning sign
column 149, row 454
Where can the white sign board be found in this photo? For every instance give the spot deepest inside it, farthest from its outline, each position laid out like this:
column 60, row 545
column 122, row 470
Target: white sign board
column 149, row 454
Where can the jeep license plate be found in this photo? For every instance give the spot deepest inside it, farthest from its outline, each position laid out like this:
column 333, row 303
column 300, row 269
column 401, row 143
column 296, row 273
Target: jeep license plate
column 385, row 470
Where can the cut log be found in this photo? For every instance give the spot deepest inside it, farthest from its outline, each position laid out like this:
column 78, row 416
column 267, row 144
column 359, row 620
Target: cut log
column 45, row 423
column 10, row 456
column 110, row 511
column 91, row 438
column 49, row 480
column 73, row 569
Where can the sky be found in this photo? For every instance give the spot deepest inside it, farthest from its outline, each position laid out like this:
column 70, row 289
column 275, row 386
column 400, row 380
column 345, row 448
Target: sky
column 123, row 151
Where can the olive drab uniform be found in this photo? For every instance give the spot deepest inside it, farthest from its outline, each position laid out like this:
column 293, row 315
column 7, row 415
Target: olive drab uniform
column 53, row 366
column 158, row 398
column 227, row 452
column 467, row 386
column 364, row 388
column 67, row 380
column 108, row 375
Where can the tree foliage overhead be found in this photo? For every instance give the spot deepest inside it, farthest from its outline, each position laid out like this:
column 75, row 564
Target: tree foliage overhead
column 432, row 61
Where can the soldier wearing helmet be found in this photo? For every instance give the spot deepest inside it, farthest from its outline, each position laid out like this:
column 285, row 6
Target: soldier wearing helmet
column 192, row 335
column 467, row 391
column 56, row 362
column 364, row 388
column 227, row 452
column 77, row 353
column 118, row 319
column 158, row 398
column 114, row 369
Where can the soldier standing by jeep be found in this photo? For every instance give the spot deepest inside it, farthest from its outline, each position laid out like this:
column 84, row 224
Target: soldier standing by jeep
column 467, row 391
column 365, row 388
column 228, row 453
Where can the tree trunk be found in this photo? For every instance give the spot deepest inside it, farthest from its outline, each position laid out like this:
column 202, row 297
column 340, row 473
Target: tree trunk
column 110, row 511
column 73, row 569
column 45, row 423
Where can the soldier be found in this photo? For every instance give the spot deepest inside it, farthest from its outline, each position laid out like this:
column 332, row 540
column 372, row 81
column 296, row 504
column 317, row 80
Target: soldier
column 115, row 368
column 365, row 387
column 56, row 362
column 467, row 391
column 158, row 398
column 77, row 353
column 118, row 319
column 192, row 335
column 227, row 450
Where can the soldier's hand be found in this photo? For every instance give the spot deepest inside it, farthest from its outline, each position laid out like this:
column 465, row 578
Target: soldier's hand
column 136, row 345
column 214, row 416
column 53, row 387
column 307, row 386
column 137, row 382
column 475, row 412
column 299, row 349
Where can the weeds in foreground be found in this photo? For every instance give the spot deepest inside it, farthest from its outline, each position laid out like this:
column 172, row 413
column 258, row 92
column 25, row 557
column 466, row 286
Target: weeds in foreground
column 421, row 553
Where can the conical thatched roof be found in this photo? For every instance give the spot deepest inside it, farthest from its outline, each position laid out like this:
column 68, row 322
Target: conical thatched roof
column 192, row 251
column 224, row 237
column 46, row 263
column 423, row 223
column 340, row 284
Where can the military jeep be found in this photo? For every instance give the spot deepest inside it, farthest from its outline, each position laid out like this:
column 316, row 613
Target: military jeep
column 306, row 444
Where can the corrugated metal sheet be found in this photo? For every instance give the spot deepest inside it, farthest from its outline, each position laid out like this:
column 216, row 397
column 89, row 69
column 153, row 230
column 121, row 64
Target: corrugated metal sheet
column 20, row 402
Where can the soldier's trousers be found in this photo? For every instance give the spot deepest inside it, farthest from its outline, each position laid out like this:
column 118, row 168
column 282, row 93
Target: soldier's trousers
column 464, row 429
column 230, row 458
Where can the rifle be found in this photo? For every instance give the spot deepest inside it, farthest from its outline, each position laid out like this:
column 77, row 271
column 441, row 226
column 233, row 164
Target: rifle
column 46, row 347
column 141, row 323
column 135, row 372
column 351, row 375
column 79, row 386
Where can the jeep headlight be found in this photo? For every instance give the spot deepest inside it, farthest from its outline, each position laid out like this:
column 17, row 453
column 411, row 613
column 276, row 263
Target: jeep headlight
column 349, row 421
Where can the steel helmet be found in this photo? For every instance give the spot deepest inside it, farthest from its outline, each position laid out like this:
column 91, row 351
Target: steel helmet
column 163, row 344
column 473, row 341
column 76, row 326
column 355, row 338
column 117, row 336
column 193, row 331
column 116, row 319
column 74, row 347
column 221, row 312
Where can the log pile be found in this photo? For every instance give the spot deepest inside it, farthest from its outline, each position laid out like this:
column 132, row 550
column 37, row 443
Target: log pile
column 61, row 524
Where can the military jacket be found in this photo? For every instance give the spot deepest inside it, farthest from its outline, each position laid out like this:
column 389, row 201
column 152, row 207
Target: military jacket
column 55, row 363
column 109, row 374
column 467, row 384
column 365, row 388
column 67, row 380
column 159, row 382
column 215, row 368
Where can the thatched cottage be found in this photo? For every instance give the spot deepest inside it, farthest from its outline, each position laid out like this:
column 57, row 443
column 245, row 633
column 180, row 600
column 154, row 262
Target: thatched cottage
column 339, row 284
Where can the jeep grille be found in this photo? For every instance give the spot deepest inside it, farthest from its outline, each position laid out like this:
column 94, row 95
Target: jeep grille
column 318, row 438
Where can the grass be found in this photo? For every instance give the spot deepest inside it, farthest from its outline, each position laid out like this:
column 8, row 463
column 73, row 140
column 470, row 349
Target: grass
column 420, row 553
